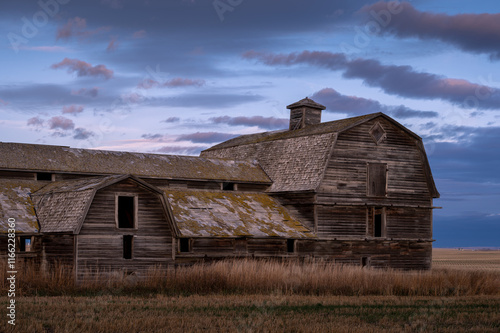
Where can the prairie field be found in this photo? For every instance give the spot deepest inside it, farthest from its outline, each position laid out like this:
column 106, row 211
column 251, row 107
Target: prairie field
column 460, row 294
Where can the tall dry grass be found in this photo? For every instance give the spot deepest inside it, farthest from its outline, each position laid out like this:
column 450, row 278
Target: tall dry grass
column 258, row 277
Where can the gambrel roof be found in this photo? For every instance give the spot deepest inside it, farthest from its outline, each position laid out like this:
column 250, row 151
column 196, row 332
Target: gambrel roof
column 44, row 158
column 296, row 159
column 61, row 207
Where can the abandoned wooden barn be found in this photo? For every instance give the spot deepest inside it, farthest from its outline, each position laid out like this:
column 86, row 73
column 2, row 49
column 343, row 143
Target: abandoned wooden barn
column 354, row 191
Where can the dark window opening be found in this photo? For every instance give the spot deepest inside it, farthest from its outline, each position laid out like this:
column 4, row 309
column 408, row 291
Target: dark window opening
column 377, row 179
column 44, row 176
column 24, row 244
column 228, row 186
column 377, row 225
column 364, row 261
column 128, row 241
column 184, row 245
column 290, row 245
column 126, row 212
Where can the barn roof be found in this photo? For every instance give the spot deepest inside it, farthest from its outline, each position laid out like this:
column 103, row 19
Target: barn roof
column 15, row 202
column 44, row 158
column 296, row 159
column 201, row 213
column 62, row 206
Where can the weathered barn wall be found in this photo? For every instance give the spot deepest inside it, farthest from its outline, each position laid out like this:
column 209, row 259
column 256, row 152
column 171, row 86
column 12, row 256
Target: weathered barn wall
column 345, row 183
column 58, row 249
column 100, row 241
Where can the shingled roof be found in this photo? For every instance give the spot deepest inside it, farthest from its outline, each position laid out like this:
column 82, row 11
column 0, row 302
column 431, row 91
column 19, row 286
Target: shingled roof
column 44, row 158
column 15, row 203
column 201, row 213
column 295, row 160
column 62, row 206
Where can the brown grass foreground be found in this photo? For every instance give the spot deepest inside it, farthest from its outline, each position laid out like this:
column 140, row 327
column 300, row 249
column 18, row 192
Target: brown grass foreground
column 260, row 277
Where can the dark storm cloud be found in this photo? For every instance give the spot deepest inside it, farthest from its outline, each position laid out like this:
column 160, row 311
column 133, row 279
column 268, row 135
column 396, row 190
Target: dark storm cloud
column 352, row 105
column 478, row 33
column 466, row 230
column 171, row 120
column 262, row 122
column 82, row 134
column 402, row 81
column 473, row 154
column 206, row 137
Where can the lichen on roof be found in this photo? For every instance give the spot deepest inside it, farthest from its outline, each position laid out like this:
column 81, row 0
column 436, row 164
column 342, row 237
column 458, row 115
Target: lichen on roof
column 18, row 156
column 200, row 213
column 16, row 203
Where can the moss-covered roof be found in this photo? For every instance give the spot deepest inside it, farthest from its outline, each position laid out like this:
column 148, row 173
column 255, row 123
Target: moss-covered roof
column 15, row 202
column 201, row 213
column 44, row 158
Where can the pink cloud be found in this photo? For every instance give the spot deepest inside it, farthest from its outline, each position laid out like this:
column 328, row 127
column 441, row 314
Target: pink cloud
column 44, row 48
column 35, row 121
column 60, row 122
column 2, row 102
column 76, row 27
column 83, row 68
column 139, row 34
column 132, row 98
column 113, row 44
column 72, row 109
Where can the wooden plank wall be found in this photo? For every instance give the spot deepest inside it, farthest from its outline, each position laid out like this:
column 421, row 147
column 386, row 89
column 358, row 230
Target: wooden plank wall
column 300, row 205
column 345, row 183
column 100, row 242
column 58, row 249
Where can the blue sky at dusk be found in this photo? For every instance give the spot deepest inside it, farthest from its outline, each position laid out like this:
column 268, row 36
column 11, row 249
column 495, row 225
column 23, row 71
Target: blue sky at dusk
column 177, row 77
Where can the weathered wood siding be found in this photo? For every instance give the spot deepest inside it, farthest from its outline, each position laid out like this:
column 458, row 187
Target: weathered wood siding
column 345, row 183
column 100, row 242
column 300, row 205
column 58, row 249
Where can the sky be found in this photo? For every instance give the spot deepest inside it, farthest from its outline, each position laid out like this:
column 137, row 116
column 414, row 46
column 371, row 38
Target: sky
column 179, row 76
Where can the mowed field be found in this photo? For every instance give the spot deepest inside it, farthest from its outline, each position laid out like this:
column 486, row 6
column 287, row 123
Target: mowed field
column 466, row 259
column 465, row 285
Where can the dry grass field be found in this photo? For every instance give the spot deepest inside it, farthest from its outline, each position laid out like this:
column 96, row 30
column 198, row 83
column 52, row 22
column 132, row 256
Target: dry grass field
column 466, row 259
column 460, row 294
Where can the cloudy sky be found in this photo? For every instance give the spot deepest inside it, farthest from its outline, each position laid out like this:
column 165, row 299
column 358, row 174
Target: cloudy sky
column 179, row 76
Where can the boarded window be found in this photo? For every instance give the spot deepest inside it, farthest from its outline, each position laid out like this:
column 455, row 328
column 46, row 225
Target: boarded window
column 377, row 179
column 43, row 176
column 126, row 212
column 24, row 244
column 184, row 245
column 290, row 245
column 128, row 243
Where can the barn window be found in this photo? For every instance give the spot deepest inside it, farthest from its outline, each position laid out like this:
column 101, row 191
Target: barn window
column 128, row 244
column 290, row 245
column 228, row 186
column 365, row 261
column 126, row 211
column 377, row 133
column 44, row 176
column 377, row 179
column 184, row 245
column 25, row 243
column 379, row 222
